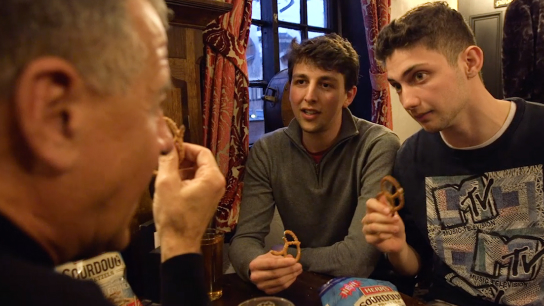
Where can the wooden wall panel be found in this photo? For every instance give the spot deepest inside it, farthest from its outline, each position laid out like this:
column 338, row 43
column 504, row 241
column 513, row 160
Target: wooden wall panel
column 183, row 104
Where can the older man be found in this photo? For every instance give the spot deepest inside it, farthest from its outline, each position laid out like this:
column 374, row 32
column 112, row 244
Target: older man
column 80, row 91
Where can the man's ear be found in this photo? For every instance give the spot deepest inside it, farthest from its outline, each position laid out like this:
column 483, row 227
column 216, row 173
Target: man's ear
column 473, row 59
column 46, row 93
column 350, row 96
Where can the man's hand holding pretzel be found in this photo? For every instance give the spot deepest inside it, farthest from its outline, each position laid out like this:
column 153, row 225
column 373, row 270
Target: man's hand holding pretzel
column 382, row 226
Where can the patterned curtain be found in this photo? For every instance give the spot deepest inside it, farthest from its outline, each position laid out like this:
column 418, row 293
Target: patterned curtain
column 376, row 14
column 226, row 103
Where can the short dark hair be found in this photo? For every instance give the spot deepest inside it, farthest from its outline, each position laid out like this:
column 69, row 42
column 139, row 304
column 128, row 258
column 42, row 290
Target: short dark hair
column 330, row 52
column 434, row 25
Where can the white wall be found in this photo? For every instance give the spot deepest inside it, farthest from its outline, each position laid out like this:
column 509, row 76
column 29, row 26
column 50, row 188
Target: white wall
column 403, row 124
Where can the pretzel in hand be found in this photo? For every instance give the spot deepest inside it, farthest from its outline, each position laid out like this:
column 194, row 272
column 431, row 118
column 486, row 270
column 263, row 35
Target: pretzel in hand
column 287, row 243
column 177, row 134
column 399, row 193
column 178, row 137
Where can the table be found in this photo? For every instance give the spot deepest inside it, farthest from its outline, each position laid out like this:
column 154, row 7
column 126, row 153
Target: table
column 303, row 292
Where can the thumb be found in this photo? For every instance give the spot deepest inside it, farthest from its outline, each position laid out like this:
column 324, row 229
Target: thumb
column 382, row 198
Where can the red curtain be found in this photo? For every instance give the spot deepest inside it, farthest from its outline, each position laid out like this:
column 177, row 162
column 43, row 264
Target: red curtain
column 377, row 14
column 226, row 103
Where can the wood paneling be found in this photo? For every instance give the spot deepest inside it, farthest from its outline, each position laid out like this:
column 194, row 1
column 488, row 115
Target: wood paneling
column 196, row 13
column 184, row 101
column 177, row 47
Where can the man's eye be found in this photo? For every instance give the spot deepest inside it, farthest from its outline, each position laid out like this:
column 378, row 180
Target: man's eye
column 420, row 76
column 326, row 85
column 397, row 87
column 299, row 82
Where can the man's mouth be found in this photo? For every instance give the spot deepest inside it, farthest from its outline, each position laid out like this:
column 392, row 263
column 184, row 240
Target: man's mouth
column 310, row 111
column 421, row 116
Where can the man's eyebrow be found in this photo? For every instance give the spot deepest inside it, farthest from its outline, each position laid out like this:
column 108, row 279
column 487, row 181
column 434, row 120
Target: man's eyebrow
column 328, row 78
column 300, row 75
column 406, row 72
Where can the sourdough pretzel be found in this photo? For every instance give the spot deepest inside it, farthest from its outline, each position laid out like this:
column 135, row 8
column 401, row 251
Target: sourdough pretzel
column 287, row 243
column 178, row 137
column 399, row 193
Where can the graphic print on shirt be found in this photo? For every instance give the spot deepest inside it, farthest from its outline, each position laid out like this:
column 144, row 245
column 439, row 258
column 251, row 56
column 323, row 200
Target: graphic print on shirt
column 489, row 229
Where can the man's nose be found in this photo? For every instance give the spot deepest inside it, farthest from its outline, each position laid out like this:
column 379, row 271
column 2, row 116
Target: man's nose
column 409, row 98
column 310, row 94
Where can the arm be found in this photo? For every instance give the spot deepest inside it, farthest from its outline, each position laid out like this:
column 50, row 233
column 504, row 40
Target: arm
column 247, row 254
column 387, row 233
column 354, row 256
column 256, row 212
column 182, row 208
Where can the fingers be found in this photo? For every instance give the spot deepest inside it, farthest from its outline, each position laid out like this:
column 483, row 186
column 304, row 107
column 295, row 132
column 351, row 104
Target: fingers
column 271, row 262
column 199, row 155
column 378, row 205
column 273, row 274
column 277, row 285
column 378, row 223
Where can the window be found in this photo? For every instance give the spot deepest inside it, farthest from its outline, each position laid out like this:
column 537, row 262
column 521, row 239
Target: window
column 269, row 40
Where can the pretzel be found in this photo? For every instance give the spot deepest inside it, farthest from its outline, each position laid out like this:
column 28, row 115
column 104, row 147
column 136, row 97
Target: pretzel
column 286, row 245
column 177, row 134
column 399, row 193
column 178, row 137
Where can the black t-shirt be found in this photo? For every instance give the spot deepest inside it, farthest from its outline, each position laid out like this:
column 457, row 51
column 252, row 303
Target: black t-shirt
column 476, row 217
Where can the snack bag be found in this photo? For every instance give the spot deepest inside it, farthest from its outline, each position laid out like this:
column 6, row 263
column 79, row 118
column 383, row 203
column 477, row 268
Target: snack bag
column 108, row 271
column 352, row 291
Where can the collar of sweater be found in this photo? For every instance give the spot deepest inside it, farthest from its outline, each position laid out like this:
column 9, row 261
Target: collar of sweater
column 347, row 129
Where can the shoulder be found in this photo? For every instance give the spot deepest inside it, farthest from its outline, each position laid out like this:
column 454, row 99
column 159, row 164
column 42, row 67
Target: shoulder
column 270, row 140
column 528, row 113
column 411, row 146
column 375, row 132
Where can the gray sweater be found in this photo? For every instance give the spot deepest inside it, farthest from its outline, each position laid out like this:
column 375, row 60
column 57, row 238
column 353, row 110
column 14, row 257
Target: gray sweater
column 323, row 203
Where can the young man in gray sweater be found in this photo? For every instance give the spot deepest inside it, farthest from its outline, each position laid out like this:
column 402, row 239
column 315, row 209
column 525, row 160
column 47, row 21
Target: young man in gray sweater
column 319, row 172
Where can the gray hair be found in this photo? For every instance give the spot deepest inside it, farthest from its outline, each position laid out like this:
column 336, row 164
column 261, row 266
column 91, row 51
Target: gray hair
column 96, row 36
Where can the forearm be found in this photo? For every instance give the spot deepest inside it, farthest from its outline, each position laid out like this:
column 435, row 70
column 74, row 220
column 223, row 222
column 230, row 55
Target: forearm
column 241, row 252
column 256, row 213
column 406, row 262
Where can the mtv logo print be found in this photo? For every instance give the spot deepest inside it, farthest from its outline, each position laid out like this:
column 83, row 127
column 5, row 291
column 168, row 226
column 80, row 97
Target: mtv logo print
column 517, row 258
column 468, row 202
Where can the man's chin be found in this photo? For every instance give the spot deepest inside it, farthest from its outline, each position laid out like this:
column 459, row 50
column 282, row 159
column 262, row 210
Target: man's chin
column 428, row 127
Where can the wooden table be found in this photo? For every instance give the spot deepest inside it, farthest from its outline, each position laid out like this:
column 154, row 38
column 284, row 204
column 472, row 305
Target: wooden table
column 303, row 292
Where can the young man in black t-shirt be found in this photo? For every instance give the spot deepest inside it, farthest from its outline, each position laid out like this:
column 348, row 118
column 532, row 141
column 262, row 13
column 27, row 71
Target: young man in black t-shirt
column 473, row 221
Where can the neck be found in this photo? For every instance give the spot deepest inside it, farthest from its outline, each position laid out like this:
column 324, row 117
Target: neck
column 32, row 211
column 319, row 142
column 480, row 120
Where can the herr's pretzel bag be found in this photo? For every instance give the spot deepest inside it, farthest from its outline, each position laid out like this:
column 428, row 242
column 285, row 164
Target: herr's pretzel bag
column 108, row 271
column 353, row 291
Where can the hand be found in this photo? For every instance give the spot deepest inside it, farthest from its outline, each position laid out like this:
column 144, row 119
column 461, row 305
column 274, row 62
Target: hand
column 382, row 229
column 183, row 207
column 272, row 273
